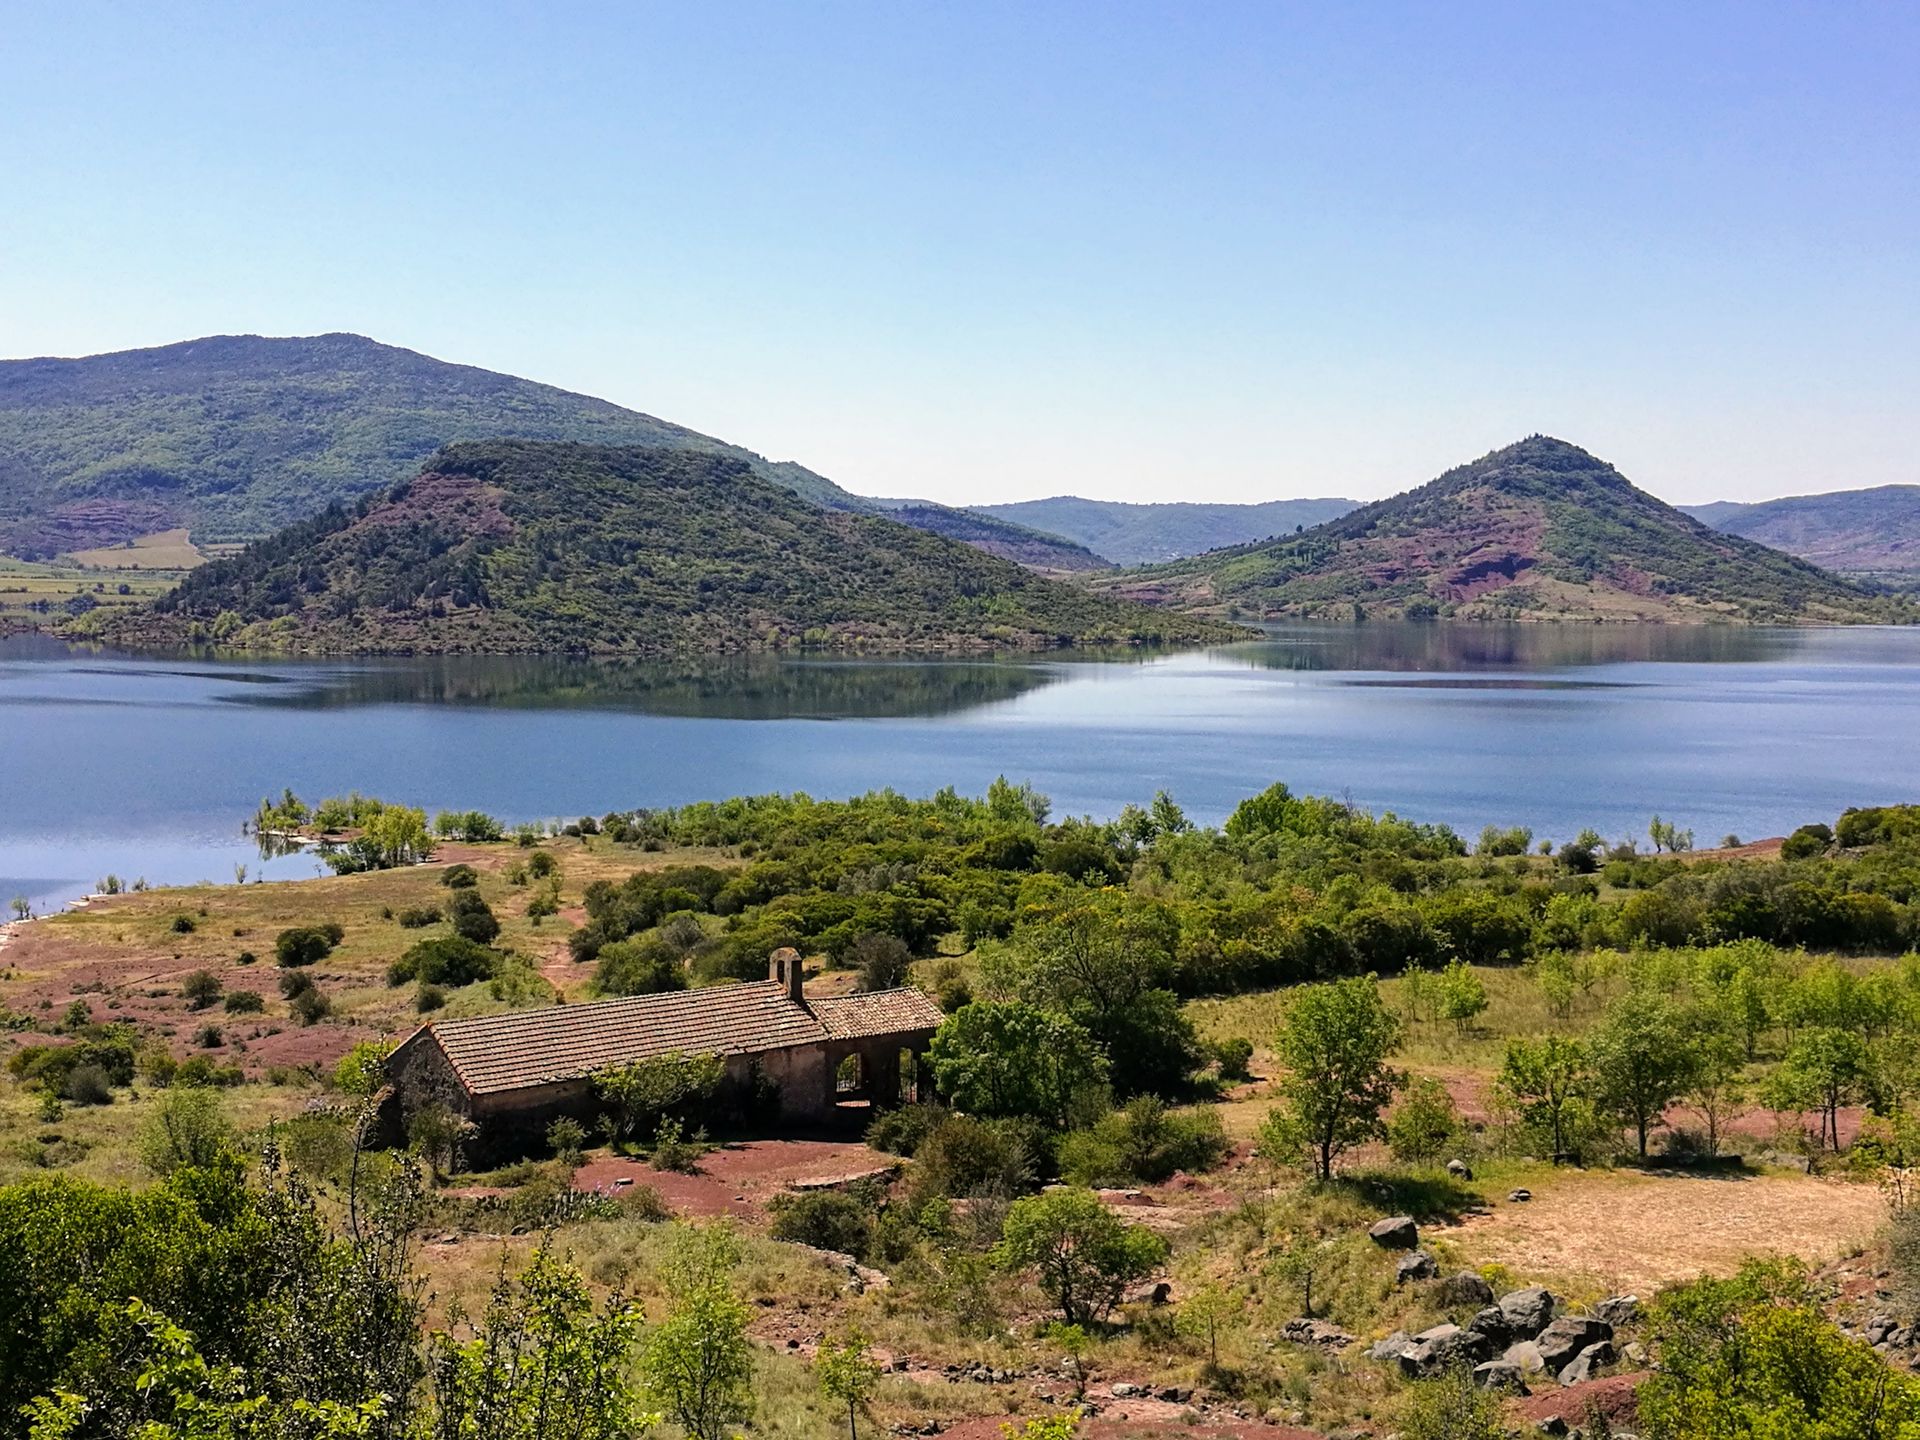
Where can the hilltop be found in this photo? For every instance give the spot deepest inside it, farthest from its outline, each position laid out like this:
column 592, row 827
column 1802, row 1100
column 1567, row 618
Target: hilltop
column 1870, row 533
column 1022, row 544
column 1540, row 530
column 1135, row 534
column 519, row 546
column 234, row 436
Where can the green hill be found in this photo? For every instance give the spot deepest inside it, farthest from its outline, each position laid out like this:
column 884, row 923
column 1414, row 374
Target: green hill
column 1872, row 533
column 1021, row 544
column 1540, row 530
column 517, row 546
column 234, row 436
column 1129, row 534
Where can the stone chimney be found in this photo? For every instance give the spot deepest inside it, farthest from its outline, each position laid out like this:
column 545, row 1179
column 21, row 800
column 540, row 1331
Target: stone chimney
column 784, row 967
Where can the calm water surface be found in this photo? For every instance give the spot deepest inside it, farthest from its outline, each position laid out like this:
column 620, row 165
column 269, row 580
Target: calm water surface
column 148, row 766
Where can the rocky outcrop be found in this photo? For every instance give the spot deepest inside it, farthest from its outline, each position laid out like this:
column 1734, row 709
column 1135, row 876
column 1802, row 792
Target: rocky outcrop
column 1397, row 1232
column 1566, row 1337
column 1442, row 1348
column 1527, row 1312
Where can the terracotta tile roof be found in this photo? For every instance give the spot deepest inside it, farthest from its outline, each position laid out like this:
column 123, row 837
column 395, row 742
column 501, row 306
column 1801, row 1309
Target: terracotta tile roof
column 883, row 1012
column 564, row 1042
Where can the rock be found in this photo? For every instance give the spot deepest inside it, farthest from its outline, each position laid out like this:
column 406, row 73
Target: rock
column 1316, row 1332
column 1580, row 1369
column 1123, row 1391
column 1618, row 1310
column 1459, row 1170
column 1492, row 1324
column 1398, row 1232
column 1390, row 1349
column 1567, row 1337
column 1519, row 1197
column 1442, row 1348
column 1879, row 1327
column 1174, row 1394
column 1527, row 1311
column 1463, row 1290
column 1499, row 1375
column 1418, row 1265
column 1635, row 1354
column 1526, row 1355
column 1552, row 1425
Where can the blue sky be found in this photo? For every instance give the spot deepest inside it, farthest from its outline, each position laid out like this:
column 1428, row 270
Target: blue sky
column 990, row 252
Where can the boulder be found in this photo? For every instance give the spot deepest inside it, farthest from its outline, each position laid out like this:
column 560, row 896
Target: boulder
column 1459, row 1170
column 1397, row 1232
column 1526, row 1355
column 1442, row 1348
column 1552, row 1425
column 1316, row 1332
column 1123, row 1391
column 1463, row 1290
column 1488, row 1321
column 1618, row 1310
column 1567, row 1337
column 1390, row 1349
column 1581, row 1368
column 1499, row 1375
column 1417, row 1265
column 1878, row 1327
column 1519, row 1197
column 1527, row 1311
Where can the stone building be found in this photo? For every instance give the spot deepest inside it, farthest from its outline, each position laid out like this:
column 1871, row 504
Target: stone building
column 512, row 1075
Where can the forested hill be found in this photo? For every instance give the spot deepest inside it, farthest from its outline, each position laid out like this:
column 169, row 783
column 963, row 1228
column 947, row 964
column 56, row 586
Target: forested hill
column 516, row 546
column 234, row 436
column 1541, row 530
column 1873, row 533
column 1131, row 534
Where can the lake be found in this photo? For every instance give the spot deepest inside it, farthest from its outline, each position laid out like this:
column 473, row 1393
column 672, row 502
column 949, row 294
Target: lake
column 145, row 766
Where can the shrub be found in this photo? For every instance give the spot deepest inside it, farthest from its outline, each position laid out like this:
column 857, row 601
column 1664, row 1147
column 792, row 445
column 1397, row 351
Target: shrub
column 49, row 1066
column 201, row 989
column 824, row 1219
column 1084, row 1255
column 204, row 1070
column 429, row 997
column 310, row 1007
column 183, row 925
column 459, row 877
column 902, row 1131
column 1807, row 843
column 1143, row 1142
column 293, row 983
column 882, row 961
column 245, row 957
column 418, row 917
column 565, row 1137
column 965, row 1156
column 541, row 864
column 1424, row 1122
column 87, row 1085
column 244, row 1002
column 472, row 918
column 1234, row 1056
column 207, row 1037
column 450, row 960
column 304, row 945
column 639, row 967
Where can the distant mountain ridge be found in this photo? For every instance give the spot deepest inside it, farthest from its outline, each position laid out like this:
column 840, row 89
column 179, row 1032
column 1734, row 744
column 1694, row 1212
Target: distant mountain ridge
column 507, row 547
column 234, row 436
column 1538, row 530
column 1127, row 533
column 1873, row 533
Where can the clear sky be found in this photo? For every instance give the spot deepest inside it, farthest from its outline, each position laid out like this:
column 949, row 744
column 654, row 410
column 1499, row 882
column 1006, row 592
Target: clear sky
column 981, row 251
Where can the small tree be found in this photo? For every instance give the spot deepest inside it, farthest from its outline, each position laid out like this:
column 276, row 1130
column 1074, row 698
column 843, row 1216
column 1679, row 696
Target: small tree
column 847, row 1375
column 1424, row 1122
column 1295, row 1264
column 1209, row 1312
column 1716, row 1090
column 1544, row 1080
column 1643, row 1060
column 22, row 907
column 698, row 1361
column 640, row 1093
column 1083, row 1254
column 188, row 1129
column 1461, row 993
column 1822, row 1071
column 1015, row 1060
column 1450, row 1407
column 201, row 989
column 882, row 961
column 1335, row 1044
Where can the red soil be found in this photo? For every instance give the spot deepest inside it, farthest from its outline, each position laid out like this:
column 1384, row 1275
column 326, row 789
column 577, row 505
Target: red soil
column 736, row 1179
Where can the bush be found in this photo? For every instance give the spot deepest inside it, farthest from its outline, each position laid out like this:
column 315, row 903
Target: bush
column 201, row 989
column 429, row 997
column 207, row 1037
column 199, row 1071
column 244, row 1002
column 902, row 1131
column 472, row 918
column 459, row 877
column 1424, row 1123
column 1084, row 1255
column 450, row 960
column 882, row 961
column 639, row 967
column 965, row 1156
column 540, row 864
column 540, row 906
column 183, row 925
column 245, row 957
column 824, row 1219
column 418, row 917
column 50, row 1066
column 294, row 982
column 1807, row 843
column 87, row 1085
column 1143, row 1142
column 310, row 1007
column 1234, row 1056
column 305, row 944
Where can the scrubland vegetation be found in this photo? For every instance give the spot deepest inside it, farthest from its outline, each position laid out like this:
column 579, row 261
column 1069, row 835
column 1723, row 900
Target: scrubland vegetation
column 1206, row 1060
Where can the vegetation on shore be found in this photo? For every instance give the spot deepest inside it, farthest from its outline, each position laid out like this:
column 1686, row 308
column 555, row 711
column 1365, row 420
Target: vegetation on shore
column 513, row 546
column 1402, row 998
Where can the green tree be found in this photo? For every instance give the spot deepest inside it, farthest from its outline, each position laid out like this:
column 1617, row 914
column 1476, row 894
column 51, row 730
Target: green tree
column 1208, row 1313
column 1716, row 1089
column 697, row 1361
column 1546, row 1081
column 1083, row 1256
column 1006, row 1058
column 640, row 1093
column 1462, row 995
column 1824, row 1068
column 1335, row 1044
column 188, row 1128
column 847, row 1375
column 1424, row 1122
column 1643, row 1060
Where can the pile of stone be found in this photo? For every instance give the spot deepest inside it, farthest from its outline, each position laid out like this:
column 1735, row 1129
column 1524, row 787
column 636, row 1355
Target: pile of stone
column 1511, row 1340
